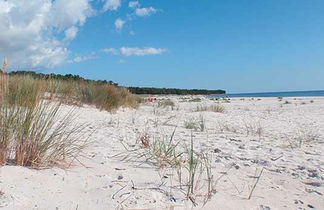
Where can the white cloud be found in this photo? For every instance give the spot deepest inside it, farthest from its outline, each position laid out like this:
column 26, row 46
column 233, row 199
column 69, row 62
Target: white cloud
column 133, row 4
column 141, row 11
column 65, row 14
column 119, row 24
column 111, row 5
column 134, row 51
column 29, row 30
column 79, row 59
column 111, row 51
column 37, row 33
column 70, row 33
column 145, row 11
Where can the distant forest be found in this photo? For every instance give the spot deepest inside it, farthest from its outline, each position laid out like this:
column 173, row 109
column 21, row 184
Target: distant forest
column 135, row 90
column 173, row 91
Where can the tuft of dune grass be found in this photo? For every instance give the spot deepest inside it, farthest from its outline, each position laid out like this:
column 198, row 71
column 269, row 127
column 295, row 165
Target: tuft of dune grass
column 211, row 108
column 33, row 130
column 103, row 96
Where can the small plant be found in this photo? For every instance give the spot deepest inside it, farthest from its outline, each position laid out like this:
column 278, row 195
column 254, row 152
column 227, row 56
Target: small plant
column 225, row 126
column 201, row 123
column 194, row 174
column 212, row 108
column 166, row 103
column 311, row 101
column 192, row 169
column 195, row 124
column 303, row 135
column 195, row 100
column 191, row 124
column 161, row 151
column 287, row 102
column 254, row 129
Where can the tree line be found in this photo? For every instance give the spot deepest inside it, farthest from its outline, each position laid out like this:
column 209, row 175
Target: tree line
column 135, row 90
column 173, row 91
column 66, row 77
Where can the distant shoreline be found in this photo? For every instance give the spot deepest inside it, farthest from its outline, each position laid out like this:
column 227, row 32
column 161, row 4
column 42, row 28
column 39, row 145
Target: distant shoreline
column 273, row 94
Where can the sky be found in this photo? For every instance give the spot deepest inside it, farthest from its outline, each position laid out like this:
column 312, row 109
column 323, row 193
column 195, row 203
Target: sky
column 235, row 45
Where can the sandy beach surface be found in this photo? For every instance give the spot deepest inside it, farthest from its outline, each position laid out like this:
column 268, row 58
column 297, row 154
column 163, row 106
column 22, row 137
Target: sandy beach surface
column 265, row 153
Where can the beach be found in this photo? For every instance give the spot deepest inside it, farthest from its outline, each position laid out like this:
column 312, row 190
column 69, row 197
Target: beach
column 264, row 153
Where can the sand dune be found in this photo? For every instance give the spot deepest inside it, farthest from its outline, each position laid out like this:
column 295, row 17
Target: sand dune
column 265, row 149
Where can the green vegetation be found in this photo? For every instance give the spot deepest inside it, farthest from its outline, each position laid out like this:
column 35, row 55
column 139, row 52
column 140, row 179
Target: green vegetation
column 166, row 103
column 67, row 77
column 73, row 89
column 212, row 108
column 195, row 124
column 30, row 133
column 173, row 91
column 195, row 100
column 33, row 131
column 190, row 170
column 134, row 90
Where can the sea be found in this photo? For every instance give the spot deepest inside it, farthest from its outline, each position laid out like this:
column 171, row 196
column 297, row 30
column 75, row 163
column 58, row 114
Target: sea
column 272, row 94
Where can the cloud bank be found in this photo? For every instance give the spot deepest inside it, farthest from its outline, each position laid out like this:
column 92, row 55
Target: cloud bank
column 29, row 30
column 37, row 33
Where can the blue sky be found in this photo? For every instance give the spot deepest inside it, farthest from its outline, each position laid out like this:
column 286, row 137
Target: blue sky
column 236, row 45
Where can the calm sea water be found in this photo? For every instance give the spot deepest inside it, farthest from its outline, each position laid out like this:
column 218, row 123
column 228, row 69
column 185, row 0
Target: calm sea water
column 274, row 94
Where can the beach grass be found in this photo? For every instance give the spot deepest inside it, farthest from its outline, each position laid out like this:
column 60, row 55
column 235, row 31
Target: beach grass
column 211, row 108
column 102, row 96
column 190, row 169
column 166, row 103
column 33, row 130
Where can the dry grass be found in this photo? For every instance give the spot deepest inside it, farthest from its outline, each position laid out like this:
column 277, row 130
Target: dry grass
column 195, row 100
column 195, row 124
column 33, row 131
column 103, row 96
column 254, row 129
column 166, row 103
column 224, row 126
column 161, row 152
column 190, row 169
column 303, row 135
column 212, row 108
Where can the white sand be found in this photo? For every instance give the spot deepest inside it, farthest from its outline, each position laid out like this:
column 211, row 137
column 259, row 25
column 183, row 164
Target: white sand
column 105, row 182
